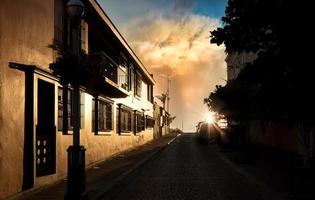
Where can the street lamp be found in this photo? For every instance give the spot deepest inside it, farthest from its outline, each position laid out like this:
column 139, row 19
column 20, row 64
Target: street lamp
column 75, row 8
column 76, row 153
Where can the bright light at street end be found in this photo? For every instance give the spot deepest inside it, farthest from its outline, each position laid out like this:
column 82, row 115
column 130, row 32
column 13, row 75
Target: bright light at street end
column 210, row 119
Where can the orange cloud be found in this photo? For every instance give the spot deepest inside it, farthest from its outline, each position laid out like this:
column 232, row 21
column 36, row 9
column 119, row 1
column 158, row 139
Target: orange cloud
column 178, row 45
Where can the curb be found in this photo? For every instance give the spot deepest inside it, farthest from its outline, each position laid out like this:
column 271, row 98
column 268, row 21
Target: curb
column 267, row 193
column 142, row 162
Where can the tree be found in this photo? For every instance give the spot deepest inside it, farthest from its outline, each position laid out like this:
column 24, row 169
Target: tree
column 277, row 86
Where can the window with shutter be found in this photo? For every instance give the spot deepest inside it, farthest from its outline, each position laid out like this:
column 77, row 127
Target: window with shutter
column 138, row 84
column 69, row 109
column 105, row 116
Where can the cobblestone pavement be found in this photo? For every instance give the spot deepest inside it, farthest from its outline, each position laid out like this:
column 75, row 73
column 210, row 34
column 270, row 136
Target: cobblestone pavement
column 186, row 170
column 103, row 174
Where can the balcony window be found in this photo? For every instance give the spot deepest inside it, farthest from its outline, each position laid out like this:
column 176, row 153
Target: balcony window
column 131, row 77
column 110, row 69
column 122, row 78
column 138, row 84
column 123, row 61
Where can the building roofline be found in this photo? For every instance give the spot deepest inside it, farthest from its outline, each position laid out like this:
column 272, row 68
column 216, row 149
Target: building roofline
column 114, row 29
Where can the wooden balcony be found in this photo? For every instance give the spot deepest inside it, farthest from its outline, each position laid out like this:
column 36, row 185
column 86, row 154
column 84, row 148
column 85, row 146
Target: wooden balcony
column 115, row 79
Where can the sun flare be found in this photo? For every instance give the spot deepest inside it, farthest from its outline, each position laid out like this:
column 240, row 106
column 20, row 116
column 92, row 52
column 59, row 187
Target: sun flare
column 210, row 119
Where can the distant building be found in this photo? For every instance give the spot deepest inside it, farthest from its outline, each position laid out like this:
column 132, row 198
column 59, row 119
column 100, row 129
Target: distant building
column 33, row 139
column 162, row 121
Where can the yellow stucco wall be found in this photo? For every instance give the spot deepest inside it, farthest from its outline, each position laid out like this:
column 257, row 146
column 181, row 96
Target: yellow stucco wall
column 98, row 147
column 157, row 117
column 24, row 37
column 26, row 31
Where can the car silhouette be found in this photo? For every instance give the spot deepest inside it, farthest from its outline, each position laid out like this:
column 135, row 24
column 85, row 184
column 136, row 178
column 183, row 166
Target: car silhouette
column 206, row 133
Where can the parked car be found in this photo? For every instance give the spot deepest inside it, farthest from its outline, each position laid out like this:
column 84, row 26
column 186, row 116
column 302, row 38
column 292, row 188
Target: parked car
column 206, row 133
column 222, row 124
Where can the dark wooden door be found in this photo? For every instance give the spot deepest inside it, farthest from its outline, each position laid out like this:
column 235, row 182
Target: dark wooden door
column 45, row 130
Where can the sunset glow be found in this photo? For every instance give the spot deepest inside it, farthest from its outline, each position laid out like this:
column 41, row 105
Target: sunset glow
column 174, row 40
column 210, row 119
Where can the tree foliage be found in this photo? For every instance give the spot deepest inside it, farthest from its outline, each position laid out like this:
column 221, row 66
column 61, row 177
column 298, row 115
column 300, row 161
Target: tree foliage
column 84, row 69
column 69, row 66
column 278, row 85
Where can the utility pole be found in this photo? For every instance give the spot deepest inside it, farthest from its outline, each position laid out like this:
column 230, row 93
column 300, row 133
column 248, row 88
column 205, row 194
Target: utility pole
column 183, row 126
column 167, row 99
column 168, row 93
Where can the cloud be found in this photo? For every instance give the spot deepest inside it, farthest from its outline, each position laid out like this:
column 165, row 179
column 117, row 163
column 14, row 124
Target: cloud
column 176, row 42
column 181, row 8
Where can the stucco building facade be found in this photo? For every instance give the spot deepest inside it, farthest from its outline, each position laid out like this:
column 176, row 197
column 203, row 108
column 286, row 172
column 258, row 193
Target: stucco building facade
column 33, row 143
column 162, row 121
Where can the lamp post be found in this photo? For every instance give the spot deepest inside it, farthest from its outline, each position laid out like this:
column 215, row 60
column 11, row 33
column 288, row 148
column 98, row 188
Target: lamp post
column 76, row 152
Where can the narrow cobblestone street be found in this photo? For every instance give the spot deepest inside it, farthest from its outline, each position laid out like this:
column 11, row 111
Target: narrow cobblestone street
column 186, row 170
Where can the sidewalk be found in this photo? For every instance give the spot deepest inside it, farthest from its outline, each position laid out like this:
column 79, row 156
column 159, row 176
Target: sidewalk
column 277, row 173
column 101, row 177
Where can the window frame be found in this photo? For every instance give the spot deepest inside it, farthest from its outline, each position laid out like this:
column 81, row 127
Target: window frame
column 124, row 119
column 131, row 77
column 139, row 122
column 60, row 110
column 150, row 122
column 150, row 93
column 138, row 84
column 104, row 116
column 123, row 61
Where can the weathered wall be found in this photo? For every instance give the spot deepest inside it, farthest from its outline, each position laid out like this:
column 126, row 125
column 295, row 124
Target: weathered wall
column 157, row 117
column 165, row 130
column 26, row 31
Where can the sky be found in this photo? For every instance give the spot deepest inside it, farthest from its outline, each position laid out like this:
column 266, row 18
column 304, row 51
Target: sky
column 171, row 37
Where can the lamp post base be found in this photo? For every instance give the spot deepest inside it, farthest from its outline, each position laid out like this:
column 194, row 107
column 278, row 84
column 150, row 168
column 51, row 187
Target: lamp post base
column 76, row 173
